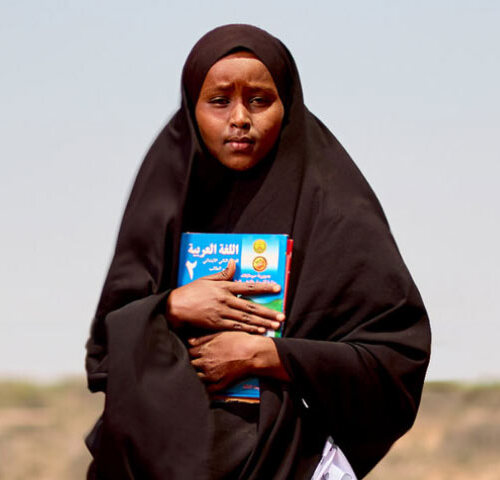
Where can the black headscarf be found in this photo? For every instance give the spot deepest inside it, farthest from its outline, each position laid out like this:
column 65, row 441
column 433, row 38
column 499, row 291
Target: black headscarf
column 356, row 340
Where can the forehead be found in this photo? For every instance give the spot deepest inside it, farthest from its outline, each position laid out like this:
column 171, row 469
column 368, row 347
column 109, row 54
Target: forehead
column 237, row 68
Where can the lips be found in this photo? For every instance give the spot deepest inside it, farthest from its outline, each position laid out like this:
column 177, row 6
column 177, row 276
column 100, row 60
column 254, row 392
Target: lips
column 240, row 144
column 239, row 140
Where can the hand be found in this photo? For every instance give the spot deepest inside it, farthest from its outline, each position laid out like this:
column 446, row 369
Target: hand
column 211, row 303
column 224, row 358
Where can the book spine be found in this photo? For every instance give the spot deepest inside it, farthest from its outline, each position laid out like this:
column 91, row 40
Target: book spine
column 288, row 265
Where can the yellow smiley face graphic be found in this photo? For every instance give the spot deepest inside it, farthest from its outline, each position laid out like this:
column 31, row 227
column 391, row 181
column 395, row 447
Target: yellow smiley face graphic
column 259, row 246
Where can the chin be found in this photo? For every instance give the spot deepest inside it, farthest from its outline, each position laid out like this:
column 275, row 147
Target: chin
column 239, row 163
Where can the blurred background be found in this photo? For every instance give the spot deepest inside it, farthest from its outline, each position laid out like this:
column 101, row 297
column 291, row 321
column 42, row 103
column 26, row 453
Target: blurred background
column 409, row 88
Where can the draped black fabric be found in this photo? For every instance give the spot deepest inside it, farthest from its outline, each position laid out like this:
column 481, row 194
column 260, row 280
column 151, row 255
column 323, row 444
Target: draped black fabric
column 356, row 339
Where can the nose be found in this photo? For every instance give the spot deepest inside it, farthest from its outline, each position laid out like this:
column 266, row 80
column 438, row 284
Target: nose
column 240, row 117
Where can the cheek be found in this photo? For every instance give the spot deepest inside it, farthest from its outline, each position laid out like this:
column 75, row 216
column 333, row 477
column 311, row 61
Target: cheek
column 211, row 130
column 271, row 129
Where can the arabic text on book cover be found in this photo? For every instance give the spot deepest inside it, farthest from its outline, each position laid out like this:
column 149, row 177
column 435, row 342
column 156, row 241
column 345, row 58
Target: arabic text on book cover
column 258, row 257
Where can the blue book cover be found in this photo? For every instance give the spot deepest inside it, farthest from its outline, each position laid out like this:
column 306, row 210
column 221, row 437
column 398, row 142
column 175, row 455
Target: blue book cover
column 258, row 257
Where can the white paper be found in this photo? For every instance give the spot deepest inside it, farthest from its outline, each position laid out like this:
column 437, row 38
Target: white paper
column 333, row 464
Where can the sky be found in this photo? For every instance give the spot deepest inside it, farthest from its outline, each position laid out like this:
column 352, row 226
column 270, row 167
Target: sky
column 411, row 89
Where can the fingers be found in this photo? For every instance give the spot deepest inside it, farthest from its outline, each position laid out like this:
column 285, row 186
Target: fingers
column 252, row 288
column 253, row 309
column 196, row 341
column 237, row 323
column 243, row 319
column 205, row 377
column 197, row 344
column 216, row 387
column 226, row 274
column 212, row 385
column 243, row 325
column 197, row 363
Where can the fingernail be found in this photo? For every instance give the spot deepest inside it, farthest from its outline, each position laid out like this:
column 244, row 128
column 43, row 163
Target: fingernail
column 276, row 288
column 262, row 330
column 276, row 325
column 191, row 341
column 280, row 317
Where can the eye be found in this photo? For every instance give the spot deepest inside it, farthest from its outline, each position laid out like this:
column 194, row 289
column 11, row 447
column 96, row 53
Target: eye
column 259, row 100
column 219, row 101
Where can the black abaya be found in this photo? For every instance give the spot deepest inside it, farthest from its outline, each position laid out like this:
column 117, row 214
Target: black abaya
column 356, row 339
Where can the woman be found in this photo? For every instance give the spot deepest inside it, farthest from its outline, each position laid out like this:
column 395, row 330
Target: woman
column 243, row 154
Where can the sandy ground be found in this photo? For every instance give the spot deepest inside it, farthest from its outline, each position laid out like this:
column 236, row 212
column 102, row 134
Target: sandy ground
column 456, row 435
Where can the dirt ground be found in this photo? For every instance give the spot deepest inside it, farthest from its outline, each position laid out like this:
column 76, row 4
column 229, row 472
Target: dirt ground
column 456, row 435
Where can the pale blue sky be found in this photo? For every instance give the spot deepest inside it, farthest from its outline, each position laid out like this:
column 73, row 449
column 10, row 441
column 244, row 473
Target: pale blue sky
column 411, row 89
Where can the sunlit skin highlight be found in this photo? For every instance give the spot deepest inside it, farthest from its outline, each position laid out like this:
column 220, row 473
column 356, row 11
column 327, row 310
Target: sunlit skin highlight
column 239, row 111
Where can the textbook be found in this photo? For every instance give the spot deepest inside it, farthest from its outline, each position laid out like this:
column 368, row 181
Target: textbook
column 259, row 258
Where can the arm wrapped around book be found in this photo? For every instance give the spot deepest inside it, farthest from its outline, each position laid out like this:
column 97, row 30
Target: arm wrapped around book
column 365, row 391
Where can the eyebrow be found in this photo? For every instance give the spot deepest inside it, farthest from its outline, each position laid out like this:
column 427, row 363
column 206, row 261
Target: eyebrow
column 228, row 87
column 222, row 87
column 261, row 88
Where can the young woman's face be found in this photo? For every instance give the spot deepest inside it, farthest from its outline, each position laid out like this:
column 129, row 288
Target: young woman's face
column 239, row 112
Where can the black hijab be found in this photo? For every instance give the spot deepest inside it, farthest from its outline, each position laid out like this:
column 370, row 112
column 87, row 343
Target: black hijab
column 356, row 339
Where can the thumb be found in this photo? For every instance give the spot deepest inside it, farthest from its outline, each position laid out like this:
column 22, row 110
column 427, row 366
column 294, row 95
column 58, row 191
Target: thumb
column 226, row 274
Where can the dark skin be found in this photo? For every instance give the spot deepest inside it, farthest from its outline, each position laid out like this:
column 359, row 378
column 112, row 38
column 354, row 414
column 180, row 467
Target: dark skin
column 239, row 115
column 239, row 111
column 234, row 352
column 211, row 303
column 223, row 358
